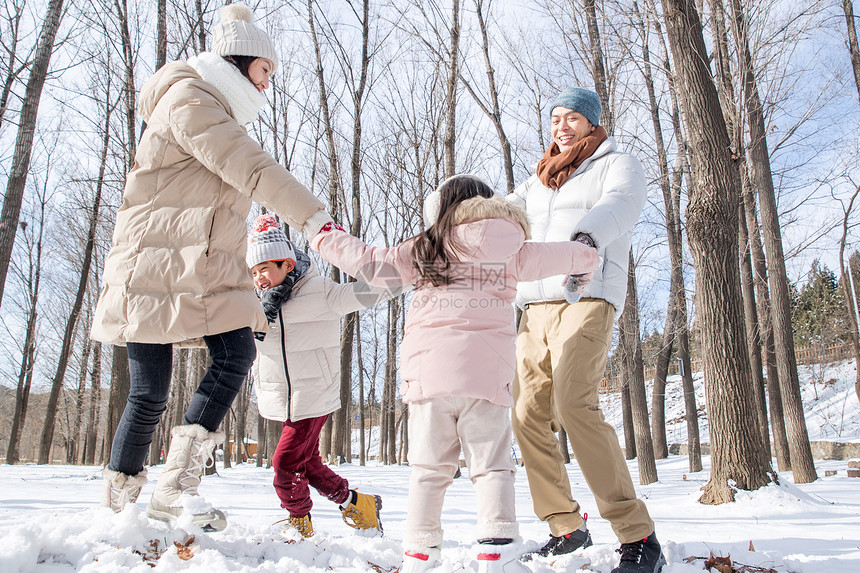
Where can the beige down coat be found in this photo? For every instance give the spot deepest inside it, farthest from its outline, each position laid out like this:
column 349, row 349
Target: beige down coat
column 297, row 371
column 176, row 271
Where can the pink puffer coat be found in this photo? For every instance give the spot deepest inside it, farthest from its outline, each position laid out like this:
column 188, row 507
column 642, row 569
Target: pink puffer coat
column 460, row 338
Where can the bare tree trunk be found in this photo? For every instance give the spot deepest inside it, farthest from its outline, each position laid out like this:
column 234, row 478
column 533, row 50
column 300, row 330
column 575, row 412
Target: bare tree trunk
column 802, row 464
column 120, row 384
column 403, row 451
column 493, row 110
column 387, row 422
column 25, row 379
column 242, row 419
column 854, row 50
column 129, row 93
column 155, row 444
column 92, row 429
column 362, row 455
column 777, row 420
column 677, row 284
column 20, row 167
column 273, row 436
column 853, row 47
column 736, row 451
column 848, row 290
column 334, row 166
column 754, row 341
column 341, row 422
column 262, row 446
column 14, row 12
column 563, row 445
column 658, row 391
column 598, row 69
column 627, row 419
column 658, row 396
column 325, row 440
column 450, row 138
column 226, row 447
column 47, row 436
column 734, row 123
column 161, row 34
column 201, row 29
column 75, row 429
column 635, row 376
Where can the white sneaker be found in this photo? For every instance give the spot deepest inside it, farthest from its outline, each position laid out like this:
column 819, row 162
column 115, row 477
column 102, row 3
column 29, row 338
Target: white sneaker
column 500, row 559
column 420, row 559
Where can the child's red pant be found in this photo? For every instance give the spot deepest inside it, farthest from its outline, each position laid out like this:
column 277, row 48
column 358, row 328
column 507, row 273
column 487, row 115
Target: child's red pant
column 298, row 464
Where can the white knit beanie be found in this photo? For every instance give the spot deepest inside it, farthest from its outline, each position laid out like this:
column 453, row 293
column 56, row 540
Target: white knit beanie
column 268, row 242
column 236, row 35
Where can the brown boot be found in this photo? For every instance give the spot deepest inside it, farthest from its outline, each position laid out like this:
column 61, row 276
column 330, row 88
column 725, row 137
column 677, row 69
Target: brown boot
column 302, row 524
column 362, row 511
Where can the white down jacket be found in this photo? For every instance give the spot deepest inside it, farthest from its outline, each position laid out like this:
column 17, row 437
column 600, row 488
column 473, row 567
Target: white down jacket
column 602, row 198
column 297, row 370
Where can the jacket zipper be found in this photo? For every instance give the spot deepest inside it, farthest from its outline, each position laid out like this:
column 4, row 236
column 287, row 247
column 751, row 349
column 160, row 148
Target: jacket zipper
column 545, row 231
column 284, row 358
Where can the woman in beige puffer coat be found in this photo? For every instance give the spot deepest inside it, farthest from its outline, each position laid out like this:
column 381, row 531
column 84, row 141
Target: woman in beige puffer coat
column 176, row 272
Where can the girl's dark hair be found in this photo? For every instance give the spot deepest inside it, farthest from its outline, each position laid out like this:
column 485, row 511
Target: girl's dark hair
column 242, row 63
column 434, row 249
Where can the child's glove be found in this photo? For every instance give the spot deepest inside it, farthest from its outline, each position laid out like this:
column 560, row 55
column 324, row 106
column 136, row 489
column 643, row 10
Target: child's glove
column 331, row 226
column 574, row 286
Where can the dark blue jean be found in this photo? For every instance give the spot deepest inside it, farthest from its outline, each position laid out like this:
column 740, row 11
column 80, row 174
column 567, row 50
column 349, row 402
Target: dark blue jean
column 151, row 366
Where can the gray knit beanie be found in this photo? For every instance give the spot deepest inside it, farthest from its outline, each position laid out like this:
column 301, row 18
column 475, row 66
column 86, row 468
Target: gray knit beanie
column 236, row 35
column 268, row 242
column 580, row 100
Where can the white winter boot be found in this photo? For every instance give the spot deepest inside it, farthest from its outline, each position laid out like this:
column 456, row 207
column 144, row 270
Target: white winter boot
column 190, row 451
column 500, row 558
column 419, row 559
column 120, row 489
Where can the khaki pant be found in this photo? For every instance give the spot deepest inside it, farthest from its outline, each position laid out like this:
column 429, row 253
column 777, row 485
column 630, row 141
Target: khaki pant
column 437, row 429
column 561, row 353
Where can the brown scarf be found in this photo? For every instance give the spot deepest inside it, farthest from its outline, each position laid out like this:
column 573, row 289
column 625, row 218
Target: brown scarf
column 557, row 166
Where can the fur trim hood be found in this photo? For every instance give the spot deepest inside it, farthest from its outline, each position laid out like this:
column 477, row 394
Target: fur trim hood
column 479, row 208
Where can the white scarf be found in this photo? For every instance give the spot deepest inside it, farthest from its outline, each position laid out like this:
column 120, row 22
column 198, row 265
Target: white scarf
column 244, row 99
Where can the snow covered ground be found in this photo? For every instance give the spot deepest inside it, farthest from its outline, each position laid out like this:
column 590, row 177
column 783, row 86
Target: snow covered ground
column 50, row 522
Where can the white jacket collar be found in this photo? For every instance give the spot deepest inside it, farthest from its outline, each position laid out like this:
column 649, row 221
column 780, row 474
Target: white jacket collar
column 608, row 146
column 244, row 99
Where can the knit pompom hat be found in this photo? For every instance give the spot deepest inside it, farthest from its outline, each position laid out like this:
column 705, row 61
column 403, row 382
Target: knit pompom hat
column 268, row 242
column 580, row 100
column 236, row 35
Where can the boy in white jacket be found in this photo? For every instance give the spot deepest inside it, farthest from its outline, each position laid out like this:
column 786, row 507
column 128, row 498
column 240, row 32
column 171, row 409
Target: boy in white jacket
column 297, row 371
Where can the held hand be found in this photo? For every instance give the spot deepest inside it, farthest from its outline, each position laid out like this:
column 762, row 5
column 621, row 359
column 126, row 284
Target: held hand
column 331, row 226
column 574, row 286
column 318, row 222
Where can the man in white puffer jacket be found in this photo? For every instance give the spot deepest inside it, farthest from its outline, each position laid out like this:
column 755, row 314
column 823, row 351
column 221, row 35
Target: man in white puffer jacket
column 297, row 371
column 584, row 189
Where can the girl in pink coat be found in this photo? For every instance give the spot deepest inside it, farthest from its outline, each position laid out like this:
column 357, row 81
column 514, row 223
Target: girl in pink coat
column 458, row 351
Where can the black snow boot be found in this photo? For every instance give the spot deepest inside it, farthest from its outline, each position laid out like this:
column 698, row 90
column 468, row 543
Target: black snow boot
column 644, row 556
column 563, row 544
